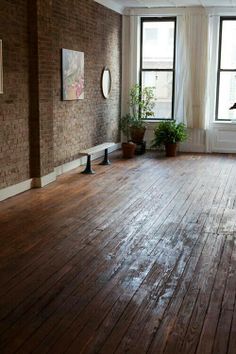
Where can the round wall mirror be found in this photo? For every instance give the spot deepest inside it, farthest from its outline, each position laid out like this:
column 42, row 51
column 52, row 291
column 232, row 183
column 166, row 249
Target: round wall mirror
column 106, row 82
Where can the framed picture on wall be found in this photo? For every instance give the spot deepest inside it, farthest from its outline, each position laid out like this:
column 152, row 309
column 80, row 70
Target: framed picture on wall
column 72, row 75
column 1, row 68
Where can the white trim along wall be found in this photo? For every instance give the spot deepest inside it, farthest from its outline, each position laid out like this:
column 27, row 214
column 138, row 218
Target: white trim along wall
column 45, row 180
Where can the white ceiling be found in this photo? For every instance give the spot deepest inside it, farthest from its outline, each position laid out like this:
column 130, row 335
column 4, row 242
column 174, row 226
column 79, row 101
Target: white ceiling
column 167, row 3
column 120, row 5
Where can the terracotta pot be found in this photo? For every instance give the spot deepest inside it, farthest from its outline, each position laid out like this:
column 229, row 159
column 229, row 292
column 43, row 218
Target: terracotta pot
column 137, row 134
column 171, row 149
column 128, row 150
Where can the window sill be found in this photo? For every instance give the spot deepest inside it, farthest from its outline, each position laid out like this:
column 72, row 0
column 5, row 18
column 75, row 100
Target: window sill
column 228, row 122
column 152, row 121
column 157, row 120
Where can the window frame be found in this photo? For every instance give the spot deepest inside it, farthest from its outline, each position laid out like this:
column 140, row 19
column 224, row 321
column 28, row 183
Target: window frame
column 159, row 19
column 219, row 70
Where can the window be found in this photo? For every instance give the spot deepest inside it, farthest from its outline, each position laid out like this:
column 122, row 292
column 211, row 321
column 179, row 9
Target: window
column 226, row 80
column 157, row 62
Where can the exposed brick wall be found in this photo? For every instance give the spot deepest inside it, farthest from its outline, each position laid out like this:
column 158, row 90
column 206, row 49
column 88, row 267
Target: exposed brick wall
column 14, row 140
column 41, row 88
column 95, row 30
column 38, row 131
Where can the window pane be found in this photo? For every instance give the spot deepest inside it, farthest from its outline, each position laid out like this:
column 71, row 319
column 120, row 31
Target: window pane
column 162, row 82
column 158, row 45
column 227, row 95
column 228, row 45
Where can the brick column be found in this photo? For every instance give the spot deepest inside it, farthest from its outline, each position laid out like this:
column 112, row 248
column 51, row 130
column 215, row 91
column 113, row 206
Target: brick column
column 41, row 89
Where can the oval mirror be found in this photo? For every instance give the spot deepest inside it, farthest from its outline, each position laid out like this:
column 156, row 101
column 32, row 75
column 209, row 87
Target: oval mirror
column 106, row 82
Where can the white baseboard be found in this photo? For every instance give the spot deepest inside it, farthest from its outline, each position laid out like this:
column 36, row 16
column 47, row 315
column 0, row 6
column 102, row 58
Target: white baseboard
column 185, row 147
column 51, row 177
column 16, row 189
column 224, row 150
column 66, row 167
column 40, row 182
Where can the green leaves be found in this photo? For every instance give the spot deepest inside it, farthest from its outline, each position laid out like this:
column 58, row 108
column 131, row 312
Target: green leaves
column 141, row 102
column 125, row 123
column 169, row 132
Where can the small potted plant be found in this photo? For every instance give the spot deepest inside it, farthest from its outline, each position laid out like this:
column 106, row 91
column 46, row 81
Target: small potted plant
column 128, row 147
column 141, row 103
column 169, row 134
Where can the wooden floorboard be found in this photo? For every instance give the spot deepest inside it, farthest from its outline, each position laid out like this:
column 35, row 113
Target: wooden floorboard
column 139, row 258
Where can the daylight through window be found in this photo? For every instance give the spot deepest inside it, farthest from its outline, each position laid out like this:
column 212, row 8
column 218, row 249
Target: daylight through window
column 226, row 87
column 158, row 62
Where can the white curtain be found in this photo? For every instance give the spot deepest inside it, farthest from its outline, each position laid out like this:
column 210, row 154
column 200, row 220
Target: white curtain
column 212, row 62
column 191, row 68
column 183, row 99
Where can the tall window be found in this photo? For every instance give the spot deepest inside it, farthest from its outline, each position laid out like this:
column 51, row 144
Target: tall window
column 158, row 62
column 226, row 83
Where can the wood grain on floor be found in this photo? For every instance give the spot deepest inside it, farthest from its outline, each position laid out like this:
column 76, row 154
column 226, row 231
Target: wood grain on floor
column 139, row 258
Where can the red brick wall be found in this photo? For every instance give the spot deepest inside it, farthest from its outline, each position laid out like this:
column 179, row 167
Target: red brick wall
column 38, row 130
column 14, row 140
column 95, row 30
column 41, row 87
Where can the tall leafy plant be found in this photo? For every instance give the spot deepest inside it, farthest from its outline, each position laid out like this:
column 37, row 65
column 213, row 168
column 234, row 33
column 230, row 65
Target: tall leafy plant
column 125, row 123
column 141, row 103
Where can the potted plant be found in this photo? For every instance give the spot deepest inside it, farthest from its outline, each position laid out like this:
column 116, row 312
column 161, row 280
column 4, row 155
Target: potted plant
column 128, row 147
column 141, row 103
column 169, row 134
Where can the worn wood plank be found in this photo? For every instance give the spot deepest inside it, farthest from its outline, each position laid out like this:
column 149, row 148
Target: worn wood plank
column 139, row 259
column 220, row 303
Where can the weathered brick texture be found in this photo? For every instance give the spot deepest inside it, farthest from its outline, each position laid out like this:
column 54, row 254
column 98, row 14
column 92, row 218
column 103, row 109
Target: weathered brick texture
column 39, row 131
column 95, row 30
column 14, row 110
column 41, row 88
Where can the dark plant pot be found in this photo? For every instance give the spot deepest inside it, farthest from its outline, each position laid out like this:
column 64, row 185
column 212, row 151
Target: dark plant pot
column 128, row 150
column 137, row 134
column 171, row 149
column 140, row 148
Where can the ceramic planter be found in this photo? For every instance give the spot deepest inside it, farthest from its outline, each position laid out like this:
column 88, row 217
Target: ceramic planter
column 128, row 150
column 137, row 134
column 171, row 149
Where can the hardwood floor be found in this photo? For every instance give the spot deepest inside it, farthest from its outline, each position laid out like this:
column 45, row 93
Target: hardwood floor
column 139, row 258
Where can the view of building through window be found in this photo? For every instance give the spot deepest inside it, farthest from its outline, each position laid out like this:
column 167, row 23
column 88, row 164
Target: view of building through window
column 226, row 92
column 157, row 62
